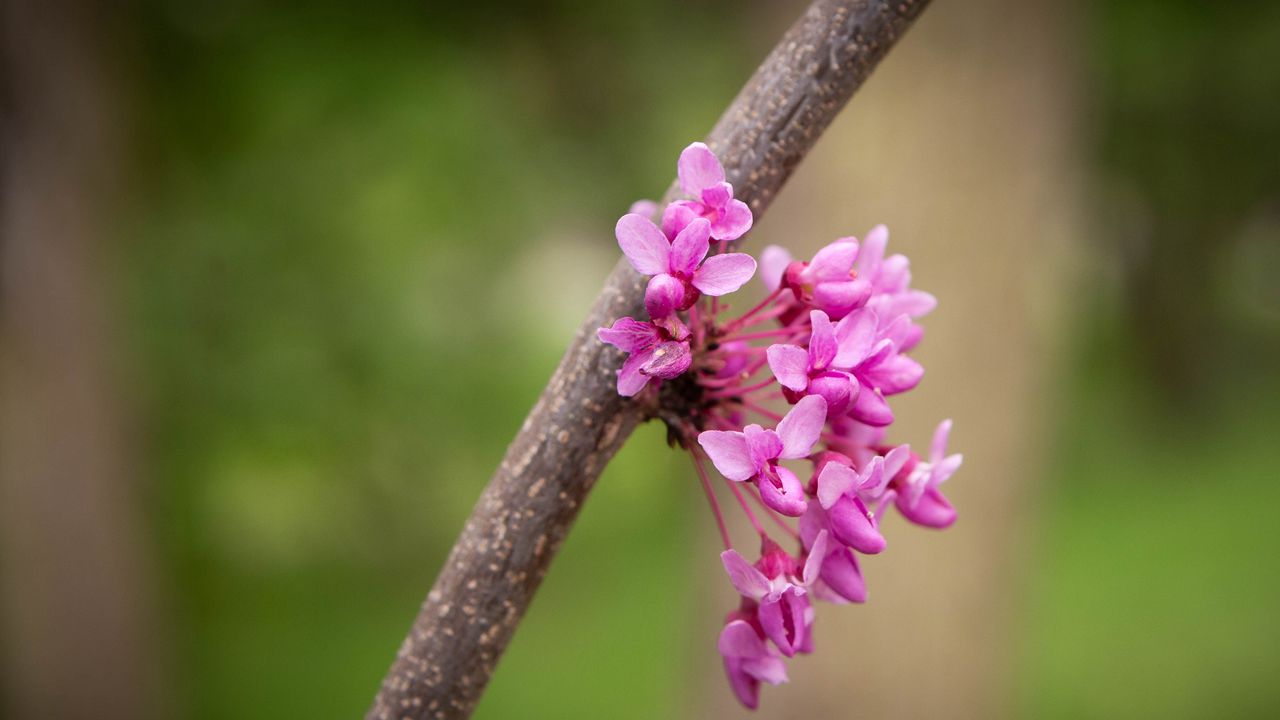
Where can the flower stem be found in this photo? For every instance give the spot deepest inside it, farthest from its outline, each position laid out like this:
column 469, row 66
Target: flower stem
column 711, row 498
column 751, row 516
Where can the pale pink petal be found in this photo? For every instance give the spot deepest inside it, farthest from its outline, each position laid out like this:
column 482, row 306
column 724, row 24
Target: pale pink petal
column 745, row 686
column 746, row 579
column 834, row 482
column 763, row 444
column 630, row 379
column 898, row 331
column 718, row 195
column 629, row 334
column 871, row 408
column 855, row 335
column 734, row 221
column 946, row 467
column 786, row 498
column 690, row 246
column 766, row 669
column 782, row 617
column 647, row 208
column 895, row 459
column 678, row 215
column 932, row 509
column 840, row 572
column 646, row 248
column 817, row 554
column 897, row 374
column 722, row 274
column 831, row 263
column 894, row 275
column 698, row 169
column 663, row 296
column 938, row 447
column 822, row 341
column 872, row 252
column 670, row 359
column 773, row 263
column 790, row 365
column 801, row 427
column 836, row 388
column 739, row 640
column 841, row 298
column 729, row 453
column 851, row 525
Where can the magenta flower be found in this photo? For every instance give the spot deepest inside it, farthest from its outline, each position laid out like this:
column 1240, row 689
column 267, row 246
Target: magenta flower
column 753, row 454
column 749, row 661
column 920, row 501
column 839, row 577
column 702, row 178
column 783, row 608
column 890, row 279
column 828, row 282
column 809, row 372
column 679, row 272
column 840, row 493
column 658, row 350
column 873, row 359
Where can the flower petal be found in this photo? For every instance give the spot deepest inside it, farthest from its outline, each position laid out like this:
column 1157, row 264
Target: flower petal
column 834, row 482
column 729, row 453
column 788, row 498
column 677, row 215
column 734, row 221
column 739, row 640
column 841, row 298
column 841, row 573
column 897, row 374
column 832, row 263
column 718, row 195
column 763, row 444
column 698, row 169
column 790, row 365
column 855, row 335
column 629, row 334
column 851, row 525
column 690, row 246
column 663, row 296
column 822, row 341
column 647, row 208
column 774, row 260
column 722, row 274
column 938, row 448
column 932, row 509
column 800, row 429
column 817, row 554
column 670, row 359
column 646, row 248
column 630, row 379
column 746, row 579
column 872, row 252
column 871, row 408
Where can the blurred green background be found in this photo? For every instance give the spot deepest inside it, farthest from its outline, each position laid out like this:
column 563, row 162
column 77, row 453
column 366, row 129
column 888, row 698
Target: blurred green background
column 355, row 238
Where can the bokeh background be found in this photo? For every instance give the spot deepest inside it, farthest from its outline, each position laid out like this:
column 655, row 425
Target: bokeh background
column 280, row 281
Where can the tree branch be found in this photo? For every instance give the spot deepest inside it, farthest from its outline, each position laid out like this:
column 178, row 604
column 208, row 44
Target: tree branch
column 579, row 422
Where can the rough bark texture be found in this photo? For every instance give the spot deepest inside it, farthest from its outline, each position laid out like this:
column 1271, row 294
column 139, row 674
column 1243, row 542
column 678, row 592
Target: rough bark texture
column 580, row 421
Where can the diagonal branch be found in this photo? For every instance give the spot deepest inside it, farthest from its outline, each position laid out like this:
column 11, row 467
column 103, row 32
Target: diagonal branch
column 579, row 422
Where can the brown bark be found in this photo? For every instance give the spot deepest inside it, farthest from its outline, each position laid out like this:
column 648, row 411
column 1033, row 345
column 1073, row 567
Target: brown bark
column 579, row 422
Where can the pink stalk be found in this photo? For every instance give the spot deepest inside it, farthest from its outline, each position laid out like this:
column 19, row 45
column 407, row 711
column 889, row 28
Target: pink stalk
column 711, row 499
column 751, row 516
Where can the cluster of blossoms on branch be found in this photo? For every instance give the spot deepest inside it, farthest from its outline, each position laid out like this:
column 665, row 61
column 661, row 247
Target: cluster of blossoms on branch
column 831, row 339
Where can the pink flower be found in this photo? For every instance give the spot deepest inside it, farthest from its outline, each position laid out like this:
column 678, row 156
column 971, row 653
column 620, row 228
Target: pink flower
column 828, row 282
column 839, row 577
column 809, row 372
column 870, row 355
column 679, row 273
column 754, row 453
column 920, row 501
column 890, row 279
column 658, row 350
column 749, row 661
column 847, row 497
column 783, row 608
column 702, row 177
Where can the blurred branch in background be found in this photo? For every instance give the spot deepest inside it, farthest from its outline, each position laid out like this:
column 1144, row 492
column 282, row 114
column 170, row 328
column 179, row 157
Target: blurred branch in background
column 74, row 584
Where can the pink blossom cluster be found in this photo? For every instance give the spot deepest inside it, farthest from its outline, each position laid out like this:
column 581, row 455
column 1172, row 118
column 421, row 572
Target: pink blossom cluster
column 831, row 339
